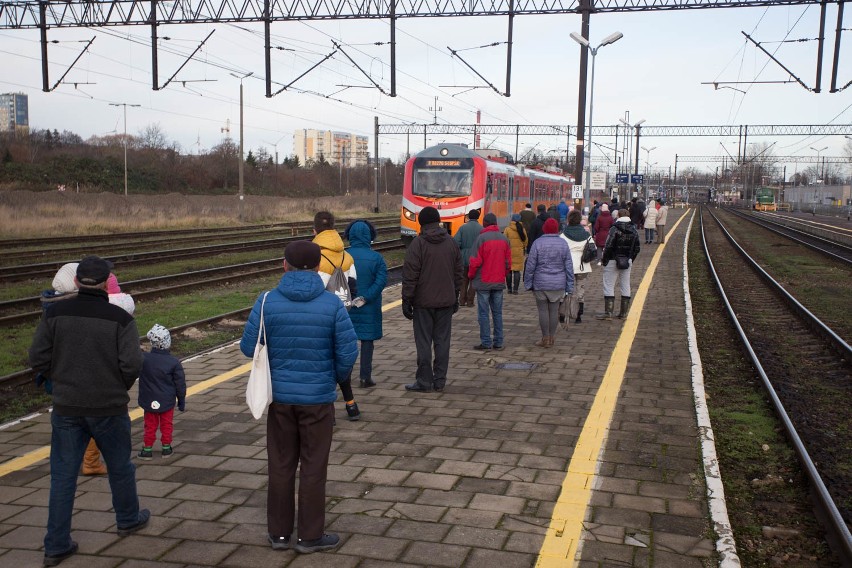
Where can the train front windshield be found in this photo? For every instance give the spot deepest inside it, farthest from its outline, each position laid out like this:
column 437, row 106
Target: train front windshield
column 442, row 178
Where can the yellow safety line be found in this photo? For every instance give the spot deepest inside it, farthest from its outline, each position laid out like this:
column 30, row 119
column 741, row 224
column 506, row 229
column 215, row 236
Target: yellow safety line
column 43, row 453
column 566, row 523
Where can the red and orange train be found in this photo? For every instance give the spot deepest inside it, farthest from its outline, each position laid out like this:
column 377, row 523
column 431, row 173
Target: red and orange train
column 454, row 179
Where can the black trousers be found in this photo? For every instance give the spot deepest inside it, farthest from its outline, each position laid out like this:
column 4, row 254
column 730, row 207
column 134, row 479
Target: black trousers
column 298, row 433
column 432, row 327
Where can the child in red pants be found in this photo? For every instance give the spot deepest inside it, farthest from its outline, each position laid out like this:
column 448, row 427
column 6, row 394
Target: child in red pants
column 161, row 384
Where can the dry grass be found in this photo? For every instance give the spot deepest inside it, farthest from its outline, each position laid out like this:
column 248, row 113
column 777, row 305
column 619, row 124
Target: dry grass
column 30, row 214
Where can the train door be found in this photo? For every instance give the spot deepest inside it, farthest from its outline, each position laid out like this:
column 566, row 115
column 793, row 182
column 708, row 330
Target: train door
column 511, row 198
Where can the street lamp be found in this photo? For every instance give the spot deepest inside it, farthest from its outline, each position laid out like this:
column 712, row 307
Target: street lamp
column 242, row 195
column 636, row 126
column 612, row 38
column 818, row 151
column 125, row 105
column 647, row 166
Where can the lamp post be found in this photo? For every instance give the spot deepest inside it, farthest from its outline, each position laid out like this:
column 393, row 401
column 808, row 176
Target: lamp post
column 819, row 151
column 647, row 166
column 612, row 38
column 125, row 105
column 635, row 126
column 242, row 194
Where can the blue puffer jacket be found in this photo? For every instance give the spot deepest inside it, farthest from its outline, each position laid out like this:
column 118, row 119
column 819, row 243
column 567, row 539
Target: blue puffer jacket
column 312, row 344
column 372, row 278
column 549, row 265
column 161, row 382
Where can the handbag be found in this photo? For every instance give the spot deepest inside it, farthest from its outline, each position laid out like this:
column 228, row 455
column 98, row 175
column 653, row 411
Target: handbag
column 622, row 262
column 259, row 387
column 590, row 251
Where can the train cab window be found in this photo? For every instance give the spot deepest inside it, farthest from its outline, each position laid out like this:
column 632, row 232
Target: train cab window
column 440, row 182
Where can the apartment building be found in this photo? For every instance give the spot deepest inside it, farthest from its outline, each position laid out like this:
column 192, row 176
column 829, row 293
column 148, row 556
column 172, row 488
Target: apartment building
column 336, row 147
column 14, row 112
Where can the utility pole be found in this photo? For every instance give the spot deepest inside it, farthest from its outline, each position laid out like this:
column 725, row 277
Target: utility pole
column 242, row 193
column 125, row 105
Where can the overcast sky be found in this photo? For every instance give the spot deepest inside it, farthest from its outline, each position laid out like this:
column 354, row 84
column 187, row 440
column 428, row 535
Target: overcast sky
column 655, row 72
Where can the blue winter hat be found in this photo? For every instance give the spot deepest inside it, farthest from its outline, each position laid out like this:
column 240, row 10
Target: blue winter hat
column 516, row 217
column 373, row 233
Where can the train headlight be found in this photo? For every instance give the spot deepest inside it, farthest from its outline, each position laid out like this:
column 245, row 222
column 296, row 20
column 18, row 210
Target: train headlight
column 409, row 215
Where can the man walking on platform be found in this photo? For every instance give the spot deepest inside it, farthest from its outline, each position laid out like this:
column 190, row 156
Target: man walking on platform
column 527, row 218
column 90, row 350
column 489, row 266
column 465, row 238
column 537, row 227
column 431, row 279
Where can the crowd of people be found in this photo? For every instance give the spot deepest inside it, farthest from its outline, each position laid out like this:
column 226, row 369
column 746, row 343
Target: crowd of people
column 328, row 299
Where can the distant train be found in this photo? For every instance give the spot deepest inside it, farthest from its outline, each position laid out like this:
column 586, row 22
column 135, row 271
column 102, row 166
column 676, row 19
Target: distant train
column 454, row 179
column 764, row 199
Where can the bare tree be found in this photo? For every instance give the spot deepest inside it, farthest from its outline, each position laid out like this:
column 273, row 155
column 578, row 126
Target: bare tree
column 152, row 137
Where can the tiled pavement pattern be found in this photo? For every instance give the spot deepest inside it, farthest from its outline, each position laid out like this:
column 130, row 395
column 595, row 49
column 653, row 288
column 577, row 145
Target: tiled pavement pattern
column 467, row 477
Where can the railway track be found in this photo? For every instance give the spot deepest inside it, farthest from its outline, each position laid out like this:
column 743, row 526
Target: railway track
column 26, row 375
column 822, row 243
column 47, row 269
column 805, row 370
column 160, row 286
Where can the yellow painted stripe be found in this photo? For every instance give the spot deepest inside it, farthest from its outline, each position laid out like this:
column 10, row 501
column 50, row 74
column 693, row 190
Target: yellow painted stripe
column 43, row 453
column 566, row 523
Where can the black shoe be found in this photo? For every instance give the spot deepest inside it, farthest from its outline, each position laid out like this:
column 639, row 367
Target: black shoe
column 146, row 454
column 561, row 318
column 167, row 451
column 498, row 348
column 367, row 383
column 352, row 412
column 55, row 559
column 482, row 347
column 325, row 542
column 144, row 517
column 438, row 388
column 279, row 542
column 417, row 387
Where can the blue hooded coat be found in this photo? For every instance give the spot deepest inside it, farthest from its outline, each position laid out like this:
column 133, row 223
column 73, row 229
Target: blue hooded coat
column 372, row 278
column 312, row 345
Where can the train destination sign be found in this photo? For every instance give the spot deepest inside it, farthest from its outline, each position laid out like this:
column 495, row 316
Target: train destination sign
column 443, row 163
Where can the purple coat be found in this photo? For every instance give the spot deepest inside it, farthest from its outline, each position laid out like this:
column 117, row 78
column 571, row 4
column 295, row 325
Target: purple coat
column 549, row 265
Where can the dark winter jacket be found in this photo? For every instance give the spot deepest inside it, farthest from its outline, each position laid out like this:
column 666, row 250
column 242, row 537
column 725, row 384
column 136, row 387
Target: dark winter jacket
column 90, row 349
column 372, row 278
column 432, row 270
column 161, row 382
column 311, row 343
column 527, row 218
column 537, row 229
column 492, row 260
column 637, row 213
column 602, row 225
column 622, row 240
column 549, row 266
column 465, row 238
column 593, row 216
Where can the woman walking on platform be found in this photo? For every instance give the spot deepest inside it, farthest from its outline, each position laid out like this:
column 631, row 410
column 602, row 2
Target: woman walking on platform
column 550, row 275
column 577, row 238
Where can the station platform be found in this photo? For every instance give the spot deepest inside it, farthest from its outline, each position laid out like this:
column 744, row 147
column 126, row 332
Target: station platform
column 585, row 454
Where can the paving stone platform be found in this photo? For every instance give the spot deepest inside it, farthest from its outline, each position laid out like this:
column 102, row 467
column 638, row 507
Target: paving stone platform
column 468, row 477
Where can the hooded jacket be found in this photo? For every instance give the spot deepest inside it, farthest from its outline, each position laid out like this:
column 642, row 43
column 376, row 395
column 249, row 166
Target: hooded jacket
column 492, row 260
column 537, row 228
column 651, row 215
column 333, row 256
column 161, row 382
column 518, row 244
column 432, row 270
column 622, row 240
column 577, row 237
column 549, row 265
column 372, row 278
column 637, row 211
column 311, row 343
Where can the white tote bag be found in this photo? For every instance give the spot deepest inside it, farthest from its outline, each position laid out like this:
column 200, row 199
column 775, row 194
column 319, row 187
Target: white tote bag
column 259, row 388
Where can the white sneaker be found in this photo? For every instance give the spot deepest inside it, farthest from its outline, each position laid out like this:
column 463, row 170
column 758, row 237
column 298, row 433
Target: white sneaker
column 599, row 263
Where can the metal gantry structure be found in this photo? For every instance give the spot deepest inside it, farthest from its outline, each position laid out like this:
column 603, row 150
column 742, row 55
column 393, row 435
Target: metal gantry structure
column 45, row 14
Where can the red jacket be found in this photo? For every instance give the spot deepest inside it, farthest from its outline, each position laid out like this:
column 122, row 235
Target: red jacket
column 492, row 260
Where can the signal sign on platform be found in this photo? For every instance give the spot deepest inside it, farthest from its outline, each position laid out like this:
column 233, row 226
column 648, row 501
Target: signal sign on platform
column 637, row 178
column 621, row 178
column 577, row 192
